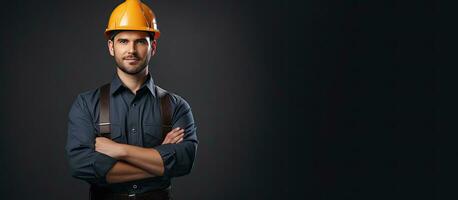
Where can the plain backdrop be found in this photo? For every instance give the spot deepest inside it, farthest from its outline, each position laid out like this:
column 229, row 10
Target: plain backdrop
column 315, row 99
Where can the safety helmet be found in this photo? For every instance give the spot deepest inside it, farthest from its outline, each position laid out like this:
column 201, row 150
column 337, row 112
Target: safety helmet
column 132, row 15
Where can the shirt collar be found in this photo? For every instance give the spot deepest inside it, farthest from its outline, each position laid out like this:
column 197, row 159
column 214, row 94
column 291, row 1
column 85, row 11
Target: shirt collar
column 117, row 84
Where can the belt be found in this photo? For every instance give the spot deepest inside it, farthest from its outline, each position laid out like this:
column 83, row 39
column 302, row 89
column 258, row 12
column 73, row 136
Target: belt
column 97, row 193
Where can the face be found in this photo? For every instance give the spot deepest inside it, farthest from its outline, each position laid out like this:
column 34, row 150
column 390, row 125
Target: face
column 132, row 51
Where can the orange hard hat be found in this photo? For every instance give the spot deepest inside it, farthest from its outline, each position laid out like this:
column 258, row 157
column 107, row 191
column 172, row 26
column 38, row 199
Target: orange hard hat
column 132, row 15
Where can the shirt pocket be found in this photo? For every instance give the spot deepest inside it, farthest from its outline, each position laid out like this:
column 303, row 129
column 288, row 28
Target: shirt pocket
column 117, row 134
column 152, row 135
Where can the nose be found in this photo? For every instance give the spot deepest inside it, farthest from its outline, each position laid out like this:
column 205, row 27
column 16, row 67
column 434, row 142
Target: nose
column 132, row 49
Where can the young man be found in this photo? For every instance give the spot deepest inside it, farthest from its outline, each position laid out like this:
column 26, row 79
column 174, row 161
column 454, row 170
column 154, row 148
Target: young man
column 136, row 159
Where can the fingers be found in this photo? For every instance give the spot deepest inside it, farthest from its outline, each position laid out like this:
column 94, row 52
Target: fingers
column 168, row 136
column 174, row 136
column 175, row 132
column 100, row 139
column 178, row 137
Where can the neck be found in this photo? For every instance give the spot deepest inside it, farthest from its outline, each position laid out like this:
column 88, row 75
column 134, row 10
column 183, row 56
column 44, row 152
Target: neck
column 133, row 82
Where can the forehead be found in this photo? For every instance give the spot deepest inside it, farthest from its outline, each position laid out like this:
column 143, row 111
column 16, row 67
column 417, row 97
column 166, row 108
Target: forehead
column 132, row 35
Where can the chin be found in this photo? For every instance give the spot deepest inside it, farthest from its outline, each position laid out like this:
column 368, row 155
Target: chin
column 131, row 70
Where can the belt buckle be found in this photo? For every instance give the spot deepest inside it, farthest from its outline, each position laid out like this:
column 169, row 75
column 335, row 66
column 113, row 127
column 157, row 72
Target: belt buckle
column 131, row 196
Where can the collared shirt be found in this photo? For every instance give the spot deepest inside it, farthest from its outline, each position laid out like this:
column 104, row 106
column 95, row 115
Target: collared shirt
column 135, row 120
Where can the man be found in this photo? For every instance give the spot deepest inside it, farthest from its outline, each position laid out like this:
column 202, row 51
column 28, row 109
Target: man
column 135, row 160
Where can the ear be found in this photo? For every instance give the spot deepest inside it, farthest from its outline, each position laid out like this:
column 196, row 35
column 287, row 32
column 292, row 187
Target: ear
column 110, row 47
column 153, row 47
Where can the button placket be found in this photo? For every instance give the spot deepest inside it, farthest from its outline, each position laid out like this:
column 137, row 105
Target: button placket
column 133, row 121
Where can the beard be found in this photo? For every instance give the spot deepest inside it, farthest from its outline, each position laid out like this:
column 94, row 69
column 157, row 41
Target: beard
column 131, row 69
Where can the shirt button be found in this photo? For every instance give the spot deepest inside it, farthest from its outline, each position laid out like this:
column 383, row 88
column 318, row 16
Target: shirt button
column 134, row 104
column 134, row 186
column 133, row 131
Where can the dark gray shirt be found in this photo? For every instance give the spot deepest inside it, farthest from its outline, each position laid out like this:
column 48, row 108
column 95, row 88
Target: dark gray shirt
column 135, row 120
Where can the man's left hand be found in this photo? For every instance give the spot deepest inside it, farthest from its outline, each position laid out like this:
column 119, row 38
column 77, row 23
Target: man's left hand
column 109, row 147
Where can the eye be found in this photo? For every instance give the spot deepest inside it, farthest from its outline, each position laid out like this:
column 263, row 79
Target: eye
column 122, row 41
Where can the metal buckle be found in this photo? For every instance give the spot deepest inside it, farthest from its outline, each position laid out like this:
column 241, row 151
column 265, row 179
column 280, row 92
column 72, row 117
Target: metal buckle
column 131, row 196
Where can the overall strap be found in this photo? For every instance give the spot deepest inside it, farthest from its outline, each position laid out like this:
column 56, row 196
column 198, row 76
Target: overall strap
column 104, row 114
column 166, row 111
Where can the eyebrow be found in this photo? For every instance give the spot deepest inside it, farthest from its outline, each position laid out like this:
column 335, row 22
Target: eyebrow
column 124, row 39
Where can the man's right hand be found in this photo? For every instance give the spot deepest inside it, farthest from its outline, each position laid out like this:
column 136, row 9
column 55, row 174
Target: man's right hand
column 175, row 136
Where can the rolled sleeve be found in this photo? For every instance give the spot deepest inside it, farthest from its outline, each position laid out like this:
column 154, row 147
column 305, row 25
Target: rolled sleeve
column 103, row 164
column 167, row 152
column 85, row 163
column 179, row 158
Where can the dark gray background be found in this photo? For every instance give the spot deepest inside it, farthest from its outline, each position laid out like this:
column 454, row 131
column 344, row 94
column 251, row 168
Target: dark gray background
column 292, row 99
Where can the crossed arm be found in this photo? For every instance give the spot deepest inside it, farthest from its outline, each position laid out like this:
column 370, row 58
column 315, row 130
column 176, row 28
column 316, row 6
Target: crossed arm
column 135, row 162
column 103, row 161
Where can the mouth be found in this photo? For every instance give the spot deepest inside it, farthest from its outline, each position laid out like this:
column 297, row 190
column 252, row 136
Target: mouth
column 131, row 60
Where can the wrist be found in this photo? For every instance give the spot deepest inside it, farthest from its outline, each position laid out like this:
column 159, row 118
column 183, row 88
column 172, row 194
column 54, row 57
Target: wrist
column 123, row 151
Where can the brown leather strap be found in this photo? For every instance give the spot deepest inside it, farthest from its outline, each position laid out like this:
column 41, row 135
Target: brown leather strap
column 104, row 114
column 166, row 110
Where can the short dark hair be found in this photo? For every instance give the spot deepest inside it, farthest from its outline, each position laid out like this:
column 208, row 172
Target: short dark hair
column 114, row 33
